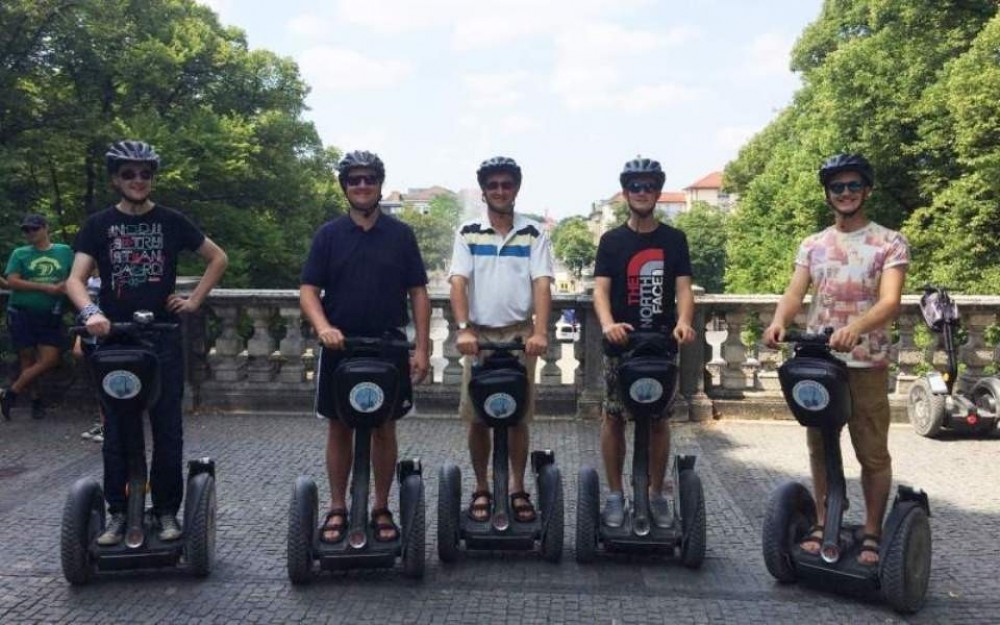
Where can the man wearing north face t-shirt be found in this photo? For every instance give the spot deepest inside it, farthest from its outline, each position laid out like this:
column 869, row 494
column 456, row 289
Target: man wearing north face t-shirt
column 642, row 282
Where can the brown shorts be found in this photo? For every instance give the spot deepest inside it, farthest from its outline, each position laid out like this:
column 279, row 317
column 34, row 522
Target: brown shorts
column 869, row 423
column 505, row 334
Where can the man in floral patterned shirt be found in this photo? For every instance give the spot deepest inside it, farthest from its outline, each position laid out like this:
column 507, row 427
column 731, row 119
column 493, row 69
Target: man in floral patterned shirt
column 857, row 269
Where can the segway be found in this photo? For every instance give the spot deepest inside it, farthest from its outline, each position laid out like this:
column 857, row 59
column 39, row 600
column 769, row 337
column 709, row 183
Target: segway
column 498, row 389
column 934, row 403
column 127, row 373
column 366, row 389
column 815, row 386
column 647, row 375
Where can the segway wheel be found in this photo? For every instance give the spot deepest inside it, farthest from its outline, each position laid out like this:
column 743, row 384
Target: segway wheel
column 449, row 510
column 302, row 520
column 925, row 409
column 986, row 396
column 199, row 541
column 414, row 530
column 906, row 563
column 692, row 506
column 550, row 494
column 588, row 512
column 791, row 512
column 82, row 521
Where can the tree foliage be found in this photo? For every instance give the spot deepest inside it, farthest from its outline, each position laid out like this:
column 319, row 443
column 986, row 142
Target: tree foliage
column 573, row 244
column 76, row 75
column 435, row 228
column 910, row 84
column 705, row 228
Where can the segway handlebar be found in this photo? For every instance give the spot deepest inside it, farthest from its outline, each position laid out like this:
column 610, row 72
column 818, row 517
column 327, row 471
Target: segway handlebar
column 128, row 328
column 368, row 342
column 510, row 346
column 808, row 338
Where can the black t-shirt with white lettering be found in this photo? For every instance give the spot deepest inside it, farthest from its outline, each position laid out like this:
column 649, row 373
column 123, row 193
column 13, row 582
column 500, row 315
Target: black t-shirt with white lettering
column 643, row 269
column 137, row 257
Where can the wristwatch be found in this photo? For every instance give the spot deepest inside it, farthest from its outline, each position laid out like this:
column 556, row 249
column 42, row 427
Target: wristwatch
column 463, row 325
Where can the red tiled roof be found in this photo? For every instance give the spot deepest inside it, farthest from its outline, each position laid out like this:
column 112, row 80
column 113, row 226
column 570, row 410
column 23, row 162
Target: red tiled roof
column 711, row 181
column 672, row 197
column 426, row 194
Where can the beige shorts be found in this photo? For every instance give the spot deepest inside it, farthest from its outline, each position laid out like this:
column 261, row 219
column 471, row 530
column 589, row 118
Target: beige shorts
column 869, row 423
column 505, row 334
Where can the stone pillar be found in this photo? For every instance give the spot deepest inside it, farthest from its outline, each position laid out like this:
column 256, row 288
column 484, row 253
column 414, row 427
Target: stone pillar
column 692, row 363
column 551, row 374
column 734, row 353
column 292, row 346
column 260, row 347
column 590, row 386
column 452, row 374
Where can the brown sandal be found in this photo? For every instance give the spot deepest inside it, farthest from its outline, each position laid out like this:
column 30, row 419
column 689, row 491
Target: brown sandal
column 812, row 539
column 869, row 548
column 383, row 525
column 520, row 502
column 480, row 511
column 335, row 521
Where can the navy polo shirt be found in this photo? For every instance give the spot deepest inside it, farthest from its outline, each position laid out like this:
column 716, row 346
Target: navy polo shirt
column 365, row 275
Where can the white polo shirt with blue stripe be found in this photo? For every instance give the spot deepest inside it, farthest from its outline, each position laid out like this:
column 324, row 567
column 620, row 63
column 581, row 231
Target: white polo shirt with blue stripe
column 501, row 269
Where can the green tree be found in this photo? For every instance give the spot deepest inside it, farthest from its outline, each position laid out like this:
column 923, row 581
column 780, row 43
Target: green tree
column 705, row 227
column 573, row 244
column 435, row 236
column 238, row 158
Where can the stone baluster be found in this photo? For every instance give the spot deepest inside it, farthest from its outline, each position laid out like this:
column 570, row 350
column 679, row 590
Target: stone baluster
column 734, row 353
column 551, row 374
column 452, row 375
column 195, row 337
column 976, row 354
column 715, row 336
column 224, row 361
column 909, row 354
column 692, row 363
column 292, row 346
column 590, row 383
column 260, row 347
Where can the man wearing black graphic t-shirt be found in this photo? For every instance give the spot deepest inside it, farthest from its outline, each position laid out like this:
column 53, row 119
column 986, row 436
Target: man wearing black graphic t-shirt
column 642, row 283
column 135, row 245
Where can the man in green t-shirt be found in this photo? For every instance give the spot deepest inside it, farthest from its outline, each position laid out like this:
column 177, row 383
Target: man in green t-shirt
column 36, row 274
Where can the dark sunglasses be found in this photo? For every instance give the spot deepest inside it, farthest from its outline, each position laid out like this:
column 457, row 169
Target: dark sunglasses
column 370, row 180
column 27, row 229
column 493, row 185
column 641, row 187
column 853, row 186
column 130, row 174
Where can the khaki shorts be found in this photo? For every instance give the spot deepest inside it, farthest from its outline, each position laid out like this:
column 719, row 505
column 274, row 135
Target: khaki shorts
column 505, row 334
column 869, row 423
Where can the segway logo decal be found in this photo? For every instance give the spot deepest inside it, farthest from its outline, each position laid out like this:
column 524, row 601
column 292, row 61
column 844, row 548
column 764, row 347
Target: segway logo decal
column 645, row 390
column 500, row 405
column 367, row 397
column 121, row 384
column 811, row 395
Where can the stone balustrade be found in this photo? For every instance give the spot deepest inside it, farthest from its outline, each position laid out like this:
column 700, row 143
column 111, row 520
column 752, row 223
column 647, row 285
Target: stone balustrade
column 251, row 350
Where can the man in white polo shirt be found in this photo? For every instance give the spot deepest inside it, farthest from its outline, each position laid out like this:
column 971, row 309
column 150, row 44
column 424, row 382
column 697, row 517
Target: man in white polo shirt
column 501, row 273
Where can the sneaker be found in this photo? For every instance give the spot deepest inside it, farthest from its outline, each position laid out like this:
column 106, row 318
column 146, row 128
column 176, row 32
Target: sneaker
column 114, row 532
column 37, row 409
column 614, row 510
column 169, row 528
column 99, row 437
column 7, row 400
column 659, row 507
column 96, row 430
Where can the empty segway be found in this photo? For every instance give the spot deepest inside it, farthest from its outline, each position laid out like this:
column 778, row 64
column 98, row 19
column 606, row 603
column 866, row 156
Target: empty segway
column 498, row 389
column 366, row 385
column 816, row 389
column 648, row 378
column 127, row 373
column 933, row 402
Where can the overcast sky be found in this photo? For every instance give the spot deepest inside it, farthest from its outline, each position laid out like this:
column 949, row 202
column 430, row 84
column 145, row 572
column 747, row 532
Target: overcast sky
column 571, row 89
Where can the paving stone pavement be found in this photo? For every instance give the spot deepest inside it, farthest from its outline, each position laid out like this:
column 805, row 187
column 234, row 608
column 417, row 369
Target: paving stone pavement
column 259, row 457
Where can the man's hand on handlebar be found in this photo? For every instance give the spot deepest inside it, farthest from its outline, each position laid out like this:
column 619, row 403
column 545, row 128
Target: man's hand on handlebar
column 684, row 333
column 331, row 338
column 536, row 345
column 774, row 334
column 98, row 325
column 617, row 333
column 467, row 342
column 844, row 339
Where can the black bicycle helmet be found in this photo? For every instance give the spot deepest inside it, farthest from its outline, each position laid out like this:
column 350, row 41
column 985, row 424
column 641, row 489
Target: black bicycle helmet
column 361, row 159
column 642, row 167
column 498, row 165
column 128, row 151
column 846, row 162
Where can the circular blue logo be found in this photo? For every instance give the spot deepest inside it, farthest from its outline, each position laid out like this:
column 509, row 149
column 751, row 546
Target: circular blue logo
column 500, row 405
column 811, row 395
column 366, row 397
column 645, row 390
column 121, row 384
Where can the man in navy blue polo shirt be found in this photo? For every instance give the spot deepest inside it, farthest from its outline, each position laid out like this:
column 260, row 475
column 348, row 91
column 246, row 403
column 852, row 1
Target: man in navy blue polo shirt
column 364, row 264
